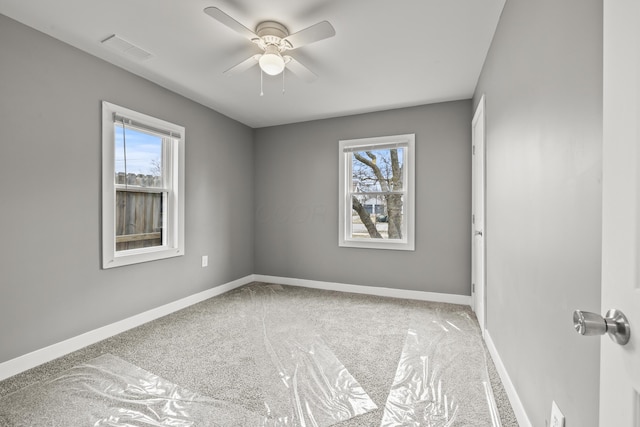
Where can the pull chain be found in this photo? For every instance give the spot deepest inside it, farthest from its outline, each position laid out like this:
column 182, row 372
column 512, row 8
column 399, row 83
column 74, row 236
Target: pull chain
column 262, row 82
column 261, row 91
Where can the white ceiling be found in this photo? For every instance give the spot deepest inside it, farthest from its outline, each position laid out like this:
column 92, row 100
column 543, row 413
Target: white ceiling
column 384, row 54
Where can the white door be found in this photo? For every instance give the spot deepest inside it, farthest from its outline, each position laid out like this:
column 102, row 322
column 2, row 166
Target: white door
column 620, row 365
column 477, row 218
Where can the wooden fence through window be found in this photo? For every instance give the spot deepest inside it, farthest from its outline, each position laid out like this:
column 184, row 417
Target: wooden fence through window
column 138, row 214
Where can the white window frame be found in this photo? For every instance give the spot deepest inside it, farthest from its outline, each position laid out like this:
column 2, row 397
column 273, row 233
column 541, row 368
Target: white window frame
column 173, row 187
column 346, row 147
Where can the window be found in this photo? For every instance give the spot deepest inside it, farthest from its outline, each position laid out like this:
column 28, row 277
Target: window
column 142, row 187
column 377, row 192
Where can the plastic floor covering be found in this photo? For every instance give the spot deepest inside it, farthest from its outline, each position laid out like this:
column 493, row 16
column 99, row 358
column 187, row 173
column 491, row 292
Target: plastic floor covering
column 441, row 380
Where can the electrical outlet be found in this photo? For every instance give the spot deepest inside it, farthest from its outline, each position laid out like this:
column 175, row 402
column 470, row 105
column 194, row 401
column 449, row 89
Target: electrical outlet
column 205, row 260
column 557, row 419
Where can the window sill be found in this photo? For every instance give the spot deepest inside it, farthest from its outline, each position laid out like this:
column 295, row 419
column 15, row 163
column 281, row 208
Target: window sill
column 399, row 245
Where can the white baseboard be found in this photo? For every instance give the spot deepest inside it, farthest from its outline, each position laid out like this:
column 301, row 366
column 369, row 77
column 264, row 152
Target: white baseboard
column 38, row 357
column 369, row 290
column 514, row 399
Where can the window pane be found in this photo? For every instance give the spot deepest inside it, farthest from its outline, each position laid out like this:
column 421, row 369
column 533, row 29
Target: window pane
column 139, row 219
column 377, row 217
column 138, row 157
column 377, row 170
column 142, row 187
column 376, row 192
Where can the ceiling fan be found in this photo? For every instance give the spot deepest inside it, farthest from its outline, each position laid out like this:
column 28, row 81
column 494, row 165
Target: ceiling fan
column 274, row 39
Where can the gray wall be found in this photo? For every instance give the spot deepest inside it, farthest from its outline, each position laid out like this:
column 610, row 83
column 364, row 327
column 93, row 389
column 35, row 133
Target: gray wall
column 51, row 284
column 543, row 80
column 296, row 188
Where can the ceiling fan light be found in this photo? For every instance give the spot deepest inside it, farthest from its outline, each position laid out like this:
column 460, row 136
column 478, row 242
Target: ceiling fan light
column 272, row 63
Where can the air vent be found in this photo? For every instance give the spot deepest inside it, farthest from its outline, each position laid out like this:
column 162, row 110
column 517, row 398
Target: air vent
column 121, row 45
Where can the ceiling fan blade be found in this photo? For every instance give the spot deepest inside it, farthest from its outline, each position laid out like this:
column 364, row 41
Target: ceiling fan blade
column 320, row 31
column 225, row 19
column 243, row 66
column 299, row 70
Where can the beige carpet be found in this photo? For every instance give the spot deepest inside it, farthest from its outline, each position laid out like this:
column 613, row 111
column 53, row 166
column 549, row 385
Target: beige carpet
column 297, row 356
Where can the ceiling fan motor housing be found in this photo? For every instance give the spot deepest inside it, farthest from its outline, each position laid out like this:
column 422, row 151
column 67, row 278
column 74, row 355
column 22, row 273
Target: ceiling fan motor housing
column 272, row 33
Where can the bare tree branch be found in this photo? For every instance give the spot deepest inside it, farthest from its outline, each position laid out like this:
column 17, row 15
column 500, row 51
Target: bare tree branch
column 374, row 168
column 380, row 174
column 365, row 218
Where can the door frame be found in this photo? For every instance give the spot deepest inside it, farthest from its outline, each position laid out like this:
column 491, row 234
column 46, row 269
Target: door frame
column 478, row 194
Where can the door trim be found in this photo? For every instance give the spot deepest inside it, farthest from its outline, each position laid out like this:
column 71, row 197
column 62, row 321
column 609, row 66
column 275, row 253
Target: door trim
column 478, row 290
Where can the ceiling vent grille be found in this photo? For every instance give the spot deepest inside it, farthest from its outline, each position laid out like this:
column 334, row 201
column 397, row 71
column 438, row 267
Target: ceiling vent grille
column 121, row 45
